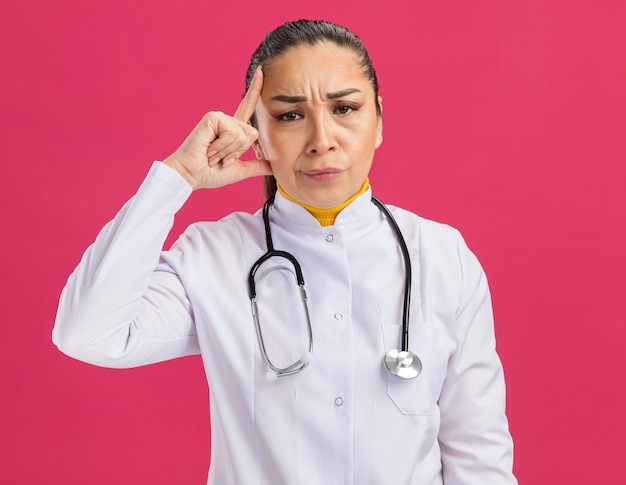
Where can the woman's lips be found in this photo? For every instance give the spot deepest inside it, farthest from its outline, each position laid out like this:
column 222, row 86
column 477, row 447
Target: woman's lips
column 323, row 174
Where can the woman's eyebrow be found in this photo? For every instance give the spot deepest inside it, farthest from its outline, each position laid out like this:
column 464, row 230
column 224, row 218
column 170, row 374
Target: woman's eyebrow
column 301, row 99
column 289, row 99
column 342, row 93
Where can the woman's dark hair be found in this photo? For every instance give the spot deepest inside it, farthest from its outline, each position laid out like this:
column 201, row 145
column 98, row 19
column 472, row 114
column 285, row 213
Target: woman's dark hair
column 311, row 32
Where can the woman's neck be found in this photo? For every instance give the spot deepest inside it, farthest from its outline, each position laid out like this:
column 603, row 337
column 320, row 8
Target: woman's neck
column 326, row 217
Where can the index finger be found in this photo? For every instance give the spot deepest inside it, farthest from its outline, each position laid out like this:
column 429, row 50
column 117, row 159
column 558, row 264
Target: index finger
column 248, row 103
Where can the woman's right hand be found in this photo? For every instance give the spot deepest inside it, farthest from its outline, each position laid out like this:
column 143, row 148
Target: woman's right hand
column 209, row 157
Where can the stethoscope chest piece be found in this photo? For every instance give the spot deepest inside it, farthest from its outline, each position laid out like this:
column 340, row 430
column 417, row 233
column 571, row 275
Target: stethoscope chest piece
column 403, row 363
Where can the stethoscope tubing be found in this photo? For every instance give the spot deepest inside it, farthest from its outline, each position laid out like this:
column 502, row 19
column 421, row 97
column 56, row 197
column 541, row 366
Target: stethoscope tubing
column 404, row 347
column 400, row 362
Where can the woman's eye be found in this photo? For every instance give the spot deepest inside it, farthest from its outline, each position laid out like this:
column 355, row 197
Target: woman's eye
column 291, row 116
column 345, row 109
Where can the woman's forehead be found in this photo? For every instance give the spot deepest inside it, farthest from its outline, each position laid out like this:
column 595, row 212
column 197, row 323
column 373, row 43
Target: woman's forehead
column 324, row 65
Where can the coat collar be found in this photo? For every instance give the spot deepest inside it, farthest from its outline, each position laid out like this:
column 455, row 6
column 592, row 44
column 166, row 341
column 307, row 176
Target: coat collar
column 359, row 215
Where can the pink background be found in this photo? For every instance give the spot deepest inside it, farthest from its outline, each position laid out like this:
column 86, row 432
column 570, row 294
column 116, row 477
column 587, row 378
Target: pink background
column 503, row 118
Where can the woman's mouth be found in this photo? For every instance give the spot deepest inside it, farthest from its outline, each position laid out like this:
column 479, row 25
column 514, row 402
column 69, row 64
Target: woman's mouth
column 323, row 174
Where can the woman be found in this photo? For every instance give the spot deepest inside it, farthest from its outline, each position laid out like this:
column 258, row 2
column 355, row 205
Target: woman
column 313, row 116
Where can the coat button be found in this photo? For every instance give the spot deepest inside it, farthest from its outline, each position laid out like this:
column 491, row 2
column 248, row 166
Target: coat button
column 338, row 316
column 339, row 401
column 330, row 237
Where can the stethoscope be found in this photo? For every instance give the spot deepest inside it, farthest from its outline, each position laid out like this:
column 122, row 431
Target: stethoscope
column 400, row 362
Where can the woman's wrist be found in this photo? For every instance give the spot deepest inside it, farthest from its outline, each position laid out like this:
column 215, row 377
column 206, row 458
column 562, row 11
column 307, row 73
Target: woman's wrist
column 175, row 165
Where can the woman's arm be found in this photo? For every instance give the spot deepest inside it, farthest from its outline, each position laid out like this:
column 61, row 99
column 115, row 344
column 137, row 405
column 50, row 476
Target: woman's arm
column 116, row 309
column 476, row 446
column 120, row 307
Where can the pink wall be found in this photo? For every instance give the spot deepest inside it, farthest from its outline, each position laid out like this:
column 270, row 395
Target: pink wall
column 503, row 118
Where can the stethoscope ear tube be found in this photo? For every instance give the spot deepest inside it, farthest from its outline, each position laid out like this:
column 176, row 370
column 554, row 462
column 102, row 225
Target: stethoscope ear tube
column 301, row 363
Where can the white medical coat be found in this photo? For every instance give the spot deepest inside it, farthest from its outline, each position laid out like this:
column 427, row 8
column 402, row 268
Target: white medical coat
column 344, row 419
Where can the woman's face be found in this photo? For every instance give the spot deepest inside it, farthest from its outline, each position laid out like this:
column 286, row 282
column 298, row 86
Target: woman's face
column 317, row 123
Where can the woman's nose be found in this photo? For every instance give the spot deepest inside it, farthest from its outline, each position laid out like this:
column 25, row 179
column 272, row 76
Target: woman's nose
column 321, row 139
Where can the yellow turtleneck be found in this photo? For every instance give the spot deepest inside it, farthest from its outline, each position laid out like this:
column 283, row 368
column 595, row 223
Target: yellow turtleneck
column 326, row 217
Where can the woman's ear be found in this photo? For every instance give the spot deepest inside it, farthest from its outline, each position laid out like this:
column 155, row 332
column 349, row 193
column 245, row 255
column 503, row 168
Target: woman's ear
column 379, row 129
column 258, row 151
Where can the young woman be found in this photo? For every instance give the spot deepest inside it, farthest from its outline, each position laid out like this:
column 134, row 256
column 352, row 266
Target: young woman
column 359, row 360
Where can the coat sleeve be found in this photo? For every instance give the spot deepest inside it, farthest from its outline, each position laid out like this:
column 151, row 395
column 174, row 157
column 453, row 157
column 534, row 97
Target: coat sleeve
column 475, row 442
column 123, row 306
